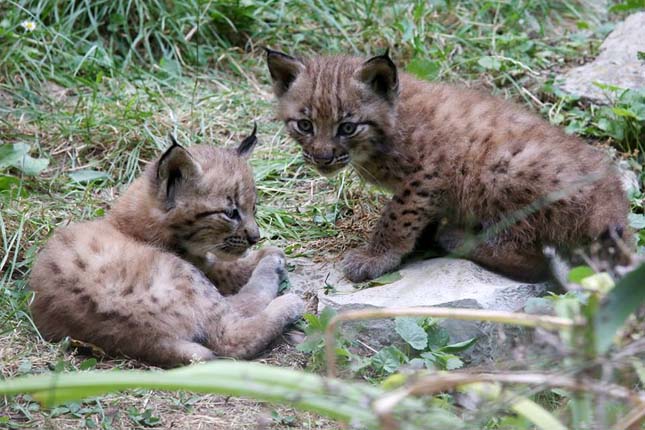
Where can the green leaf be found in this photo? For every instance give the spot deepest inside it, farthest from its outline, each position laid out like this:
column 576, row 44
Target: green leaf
column 535, row 413
column 10, row 185
column 388, row 278
column 624, row 112
column 627, row 6
column 627, row 296
column 640, row 55
column 636, row 221
column 577, row 274
column 389, row 359
column 86, row 176
column 32, row 166
column 284, row 285
column 438, row 337
column 310, row 344
column 11, row 154
column 411, row 332
column 459, row 346
column 582, row 25
column 490, row 63
column 424, row 68
column 453, row 363
column 88, row 364
column 325, row 316
column 17, row 155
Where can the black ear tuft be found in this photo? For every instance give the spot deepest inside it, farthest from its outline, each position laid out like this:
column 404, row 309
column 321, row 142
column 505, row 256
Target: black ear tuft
column 174, row 167
column 161, row 164
column 284, row 69
column 381, row 75
column 249, row 142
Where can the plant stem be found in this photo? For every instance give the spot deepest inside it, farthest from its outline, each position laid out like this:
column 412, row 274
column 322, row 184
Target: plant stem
column 332, row 398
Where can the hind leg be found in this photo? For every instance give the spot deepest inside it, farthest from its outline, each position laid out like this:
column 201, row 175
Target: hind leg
column 173, row 352
column 241, row 336
column 523, row 263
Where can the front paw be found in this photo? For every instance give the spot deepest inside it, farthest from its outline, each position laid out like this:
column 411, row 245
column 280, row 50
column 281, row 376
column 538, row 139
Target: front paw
column 361, row 265
column 270, row 250
column 273, row 262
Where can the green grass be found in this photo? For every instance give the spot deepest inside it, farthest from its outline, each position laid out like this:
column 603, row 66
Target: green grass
column 97, row 86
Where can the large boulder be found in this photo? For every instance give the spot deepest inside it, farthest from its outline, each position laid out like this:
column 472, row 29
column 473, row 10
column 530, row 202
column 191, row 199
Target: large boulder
column 435, row 282
column 617, row 64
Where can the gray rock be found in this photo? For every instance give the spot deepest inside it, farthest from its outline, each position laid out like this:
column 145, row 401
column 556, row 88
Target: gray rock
column 436, row 282
column 617, row 64
column 628, row 178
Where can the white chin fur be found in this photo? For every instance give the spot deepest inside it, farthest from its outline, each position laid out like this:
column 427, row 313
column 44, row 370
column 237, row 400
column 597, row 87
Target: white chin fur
column 223, row 256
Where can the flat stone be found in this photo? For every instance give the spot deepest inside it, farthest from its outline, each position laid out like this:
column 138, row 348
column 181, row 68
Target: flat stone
column 628, row 178
column 442, row 282
column 617, row 64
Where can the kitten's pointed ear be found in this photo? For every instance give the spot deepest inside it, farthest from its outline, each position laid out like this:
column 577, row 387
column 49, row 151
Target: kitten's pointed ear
column 381, row 75
column 284, row 69
column 175, row 166
column 249, row 142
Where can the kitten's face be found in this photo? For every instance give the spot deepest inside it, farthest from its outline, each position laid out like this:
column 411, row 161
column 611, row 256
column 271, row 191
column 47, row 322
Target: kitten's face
column 209, row 198
column 338, row 109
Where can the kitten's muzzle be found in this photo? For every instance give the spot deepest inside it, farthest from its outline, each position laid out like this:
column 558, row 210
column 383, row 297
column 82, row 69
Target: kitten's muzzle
column 326, row 163
column 237, row 245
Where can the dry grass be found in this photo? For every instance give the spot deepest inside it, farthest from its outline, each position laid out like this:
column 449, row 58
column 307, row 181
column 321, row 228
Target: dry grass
column 22, row 353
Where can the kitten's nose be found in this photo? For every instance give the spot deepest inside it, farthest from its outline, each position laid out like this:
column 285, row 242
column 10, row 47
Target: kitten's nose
column 253, row 238
column 325, row 159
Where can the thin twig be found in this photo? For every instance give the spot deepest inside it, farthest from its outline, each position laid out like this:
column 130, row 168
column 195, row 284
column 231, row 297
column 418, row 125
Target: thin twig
column 438, row 382
column 632, row 420
column 527, row 320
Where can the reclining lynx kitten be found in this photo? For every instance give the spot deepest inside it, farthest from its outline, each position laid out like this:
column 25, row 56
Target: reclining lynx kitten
column 144, row 280
column 455, row 160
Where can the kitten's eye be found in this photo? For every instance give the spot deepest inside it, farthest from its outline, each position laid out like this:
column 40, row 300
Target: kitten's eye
column 206, row 213
column 347, row 129
column 305, row 126
column 232, row 213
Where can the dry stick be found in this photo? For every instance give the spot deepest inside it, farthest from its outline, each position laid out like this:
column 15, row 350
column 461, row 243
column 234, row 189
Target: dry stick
column 632, row 420
column 438, row 382
column 528, row 320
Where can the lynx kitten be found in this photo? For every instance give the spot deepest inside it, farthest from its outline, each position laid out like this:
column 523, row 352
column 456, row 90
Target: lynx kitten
column 144, row 280
column 455, row 160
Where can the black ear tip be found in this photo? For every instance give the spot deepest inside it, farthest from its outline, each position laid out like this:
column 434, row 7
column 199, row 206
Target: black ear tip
column 173, row 141
column 383, row 58
column 249, row 142
column 271, row 53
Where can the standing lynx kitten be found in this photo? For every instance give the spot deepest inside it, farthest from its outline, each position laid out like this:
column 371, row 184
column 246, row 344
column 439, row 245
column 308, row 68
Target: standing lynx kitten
column 144, row 280
column 455, row 160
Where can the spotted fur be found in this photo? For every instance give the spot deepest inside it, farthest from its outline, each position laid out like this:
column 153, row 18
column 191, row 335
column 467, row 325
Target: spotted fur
column 456, row 161
column 163, row 277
